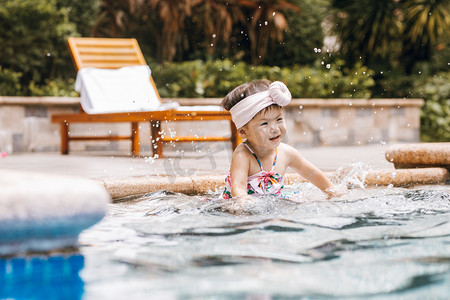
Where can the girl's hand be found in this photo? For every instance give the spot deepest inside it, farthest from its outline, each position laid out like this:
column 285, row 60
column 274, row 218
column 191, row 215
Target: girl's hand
column 335, row 191
column 238, row 205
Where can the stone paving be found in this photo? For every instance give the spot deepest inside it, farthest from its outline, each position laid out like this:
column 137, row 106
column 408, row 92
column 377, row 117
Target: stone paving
column 103, row 165
column 191, row 172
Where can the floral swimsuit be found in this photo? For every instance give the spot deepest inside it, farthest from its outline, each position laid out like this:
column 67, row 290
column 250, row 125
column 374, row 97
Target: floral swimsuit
column 260, row 184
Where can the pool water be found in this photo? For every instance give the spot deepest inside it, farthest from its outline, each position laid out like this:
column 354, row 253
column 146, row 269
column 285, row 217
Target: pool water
column 42, row 277
column 377, row 243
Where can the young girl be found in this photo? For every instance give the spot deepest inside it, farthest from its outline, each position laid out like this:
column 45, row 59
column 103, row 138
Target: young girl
column 260, row 162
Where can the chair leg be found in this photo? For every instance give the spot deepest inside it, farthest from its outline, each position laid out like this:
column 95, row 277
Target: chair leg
column 157, row 142
column 64, row 133
column 135, row 144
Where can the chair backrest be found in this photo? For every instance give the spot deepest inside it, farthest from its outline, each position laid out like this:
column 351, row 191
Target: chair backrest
column 106, row 53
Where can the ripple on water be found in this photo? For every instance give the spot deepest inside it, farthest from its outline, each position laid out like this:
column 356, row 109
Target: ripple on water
column 374, row 242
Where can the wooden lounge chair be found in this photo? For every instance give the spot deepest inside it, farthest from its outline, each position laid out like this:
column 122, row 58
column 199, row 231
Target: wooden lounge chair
column 111, row 53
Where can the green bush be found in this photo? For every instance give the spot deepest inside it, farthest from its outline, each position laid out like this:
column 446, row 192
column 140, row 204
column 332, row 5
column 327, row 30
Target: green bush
column 330, row 81
column 82, row 13
column 33, row 39
column 57, row 87
column 435, row 115
column 304, row 35
column 197, row 79
column 175, row 80
column 10, row 82
column 216, row 78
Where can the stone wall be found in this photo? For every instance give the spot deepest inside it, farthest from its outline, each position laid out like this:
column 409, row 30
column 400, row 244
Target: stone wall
column 25, row 124
column 338, row 122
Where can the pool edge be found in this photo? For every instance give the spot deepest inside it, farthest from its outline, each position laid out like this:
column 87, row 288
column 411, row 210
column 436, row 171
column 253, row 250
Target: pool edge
column 128, row 186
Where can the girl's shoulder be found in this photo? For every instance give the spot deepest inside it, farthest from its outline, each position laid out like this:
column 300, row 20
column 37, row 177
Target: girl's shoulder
column 286, row 148
column 241, row 158
column 242, row 151
column 289, row 152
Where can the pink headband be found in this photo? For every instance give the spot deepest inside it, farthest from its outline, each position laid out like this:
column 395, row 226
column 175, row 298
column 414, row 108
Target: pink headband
column 248, row 107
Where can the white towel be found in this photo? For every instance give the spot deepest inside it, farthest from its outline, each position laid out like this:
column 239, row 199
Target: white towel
column 127, row 89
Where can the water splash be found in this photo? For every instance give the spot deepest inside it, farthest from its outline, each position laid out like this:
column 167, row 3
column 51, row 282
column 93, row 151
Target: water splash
column 371, row 242
column 351, row 176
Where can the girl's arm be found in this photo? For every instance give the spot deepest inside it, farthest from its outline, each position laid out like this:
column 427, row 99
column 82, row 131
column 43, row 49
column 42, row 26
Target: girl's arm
column 239, row 169
column 310, row 172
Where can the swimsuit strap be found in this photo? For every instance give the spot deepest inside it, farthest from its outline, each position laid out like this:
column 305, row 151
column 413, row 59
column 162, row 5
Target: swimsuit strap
column 259, row 163
column 249, row 149
column 275, row 159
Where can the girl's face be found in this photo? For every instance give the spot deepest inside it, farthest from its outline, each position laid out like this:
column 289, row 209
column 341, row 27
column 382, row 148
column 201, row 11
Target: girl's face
column 266, row 130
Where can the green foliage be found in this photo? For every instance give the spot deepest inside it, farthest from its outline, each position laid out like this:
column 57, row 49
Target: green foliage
column 57, row 87
column 440, row 60
column 33, row 38
column 10, row 82
column 367, row 32
column 177, row 80
column 425, row 23
column 222, row 76
column 331, row 81
column 393, row 84
column 400, row 32
column 217, row 78
column 304, row 35
column 82, row 13
column 389, row 36
column 435, row 115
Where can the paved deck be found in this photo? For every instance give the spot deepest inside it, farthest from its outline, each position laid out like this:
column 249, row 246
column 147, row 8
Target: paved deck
column 201, row 172
column 215, row 161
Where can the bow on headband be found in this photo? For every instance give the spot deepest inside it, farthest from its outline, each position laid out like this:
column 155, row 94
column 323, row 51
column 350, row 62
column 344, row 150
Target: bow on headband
column 248, row 107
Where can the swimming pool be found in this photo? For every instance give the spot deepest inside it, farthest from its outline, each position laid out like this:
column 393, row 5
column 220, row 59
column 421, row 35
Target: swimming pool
column 378, row 243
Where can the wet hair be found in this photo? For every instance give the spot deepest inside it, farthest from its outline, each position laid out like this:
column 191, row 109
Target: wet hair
column 243, row 91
